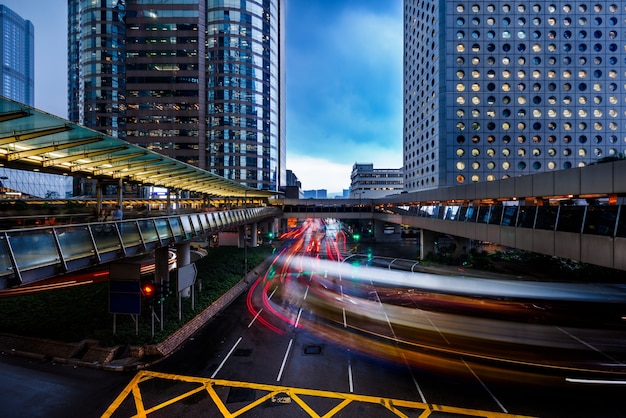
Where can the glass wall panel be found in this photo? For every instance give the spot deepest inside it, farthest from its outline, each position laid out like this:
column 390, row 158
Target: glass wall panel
column 546, row 217
column 130, row 233
column 526, row 217
column 600, row 220
column 451, row 213
column 148, row 230
column 163, row 228
column 106, row 237
column 496, row 215
column 35, row 248
column 571, row 219
column 177, row 229
column 484, row 214
column 472, row 214
column 195, row 221
column 621, row 223
column 204, row 219
column 75, row 242
column 509, row 216
column 462, row 214
column 6, row 267
column 186, row 225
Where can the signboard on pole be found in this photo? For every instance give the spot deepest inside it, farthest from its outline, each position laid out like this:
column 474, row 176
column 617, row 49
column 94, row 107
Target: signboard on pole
column 125, row 288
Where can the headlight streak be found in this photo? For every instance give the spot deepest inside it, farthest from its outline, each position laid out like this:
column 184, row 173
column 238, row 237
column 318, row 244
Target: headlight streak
column 432, row 321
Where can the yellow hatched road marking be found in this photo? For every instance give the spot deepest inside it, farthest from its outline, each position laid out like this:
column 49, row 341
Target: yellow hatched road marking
column 273, row 392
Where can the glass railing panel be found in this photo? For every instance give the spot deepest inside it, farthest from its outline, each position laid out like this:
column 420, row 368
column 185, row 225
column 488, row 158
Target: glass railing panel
column 195, row 222
column 6, row 267
column 130, row 233
column 34, row 248
column 496, row 215
column 462, row 214
column 546, row 217
column 441, row 211
column 163, row 228
column 75, row 242
column 212, row 220
column 509, row 215
column 106, row 237
column 484, row 214
column 526, row 217
column 571, row 219
column 600, row 220
column 186, row 225
column 621, row 223
column 148, row 230
column 177, row 228
column 204, row 220
column 451, row 213
column 472, row 214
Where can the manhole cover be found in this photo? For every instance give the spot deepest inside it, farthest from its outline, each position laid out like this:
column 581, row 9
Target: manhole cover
column 312, row 349
column 242, row 352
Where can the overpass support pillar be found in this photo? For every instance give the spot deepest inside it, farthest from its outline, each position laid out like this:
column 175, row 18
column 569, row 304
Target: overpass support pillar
column 183, row 258
column 463, row 246
column 254, row 233
column 385, row 232
column 161, row 265
column 428, row 243
column 241, row 242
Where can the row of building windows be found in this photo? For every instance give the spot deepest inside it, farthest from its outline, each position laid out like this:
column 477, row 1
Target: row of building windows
column 538, row 7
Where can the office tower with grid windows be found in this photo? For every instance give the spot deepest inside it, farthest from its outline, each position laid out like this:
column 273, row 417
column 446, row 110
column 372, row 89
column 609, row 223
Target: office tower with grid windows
column 497, row 89
column 201, row 81
column 18, row 57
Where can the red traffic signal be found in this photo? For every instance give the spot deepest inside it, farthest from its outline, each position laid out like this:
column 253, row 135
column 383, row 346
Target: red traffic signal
column 148, row 290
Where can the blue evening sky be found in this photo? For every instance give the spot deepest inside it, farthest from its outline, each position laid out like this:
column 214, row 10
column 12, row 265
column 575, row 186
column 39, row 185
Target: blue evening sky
column 344, row 82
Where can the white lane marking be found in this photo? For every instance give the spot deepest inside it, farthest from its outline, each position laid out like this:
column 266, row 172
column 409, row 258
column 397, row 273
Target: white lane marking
column 255, row 317
column 298, row 318
column 282, row 367
column 595, row 381
column 350, row 377
column 226, row 358
column 272, row 294
column 486, row 388
column 419, row 389
column 306, row 292
column 345, row 321
column 589, row 345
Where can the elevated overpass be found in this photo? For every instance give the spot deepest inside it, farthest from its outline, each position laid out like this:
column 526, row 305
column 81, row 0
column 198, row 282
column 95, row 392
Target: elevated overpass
column 578, row 214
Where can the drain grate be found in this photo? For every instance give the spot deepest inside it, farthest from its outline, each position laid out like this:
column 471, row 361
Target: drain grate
column 313, row 349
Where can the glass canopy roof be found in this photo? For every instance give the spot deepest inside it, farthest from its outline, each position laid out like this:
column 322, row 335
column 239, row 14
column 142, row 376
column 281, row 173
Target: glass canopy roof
column 31, row 139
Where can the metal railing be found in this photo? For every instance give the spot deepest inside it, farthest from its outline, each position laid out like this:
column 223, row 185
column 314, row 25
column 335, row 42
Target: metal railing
column 30, row 254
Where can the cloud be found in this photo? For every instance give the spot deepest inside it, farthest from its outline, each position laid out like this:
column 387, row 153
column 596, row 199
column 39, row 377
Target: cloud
column 345, row 89
column 318, row 173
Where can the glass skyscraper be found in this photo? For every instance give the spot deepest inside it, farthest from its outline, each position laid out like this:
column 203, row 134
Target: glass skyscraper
column 18, row 57
column 199, row 81
column 497, row 89
column 17, row 82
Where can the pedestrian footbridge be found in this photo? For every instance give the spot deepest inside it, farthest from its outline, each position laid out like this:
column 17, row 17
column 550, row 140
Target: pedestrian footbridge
column 32, row 254
column 578, row 214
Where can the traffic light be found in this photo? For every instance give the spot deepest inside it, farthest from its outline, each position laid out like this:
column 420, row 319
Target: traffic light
column 270, row 235
column 356, row 237
column 148, row 290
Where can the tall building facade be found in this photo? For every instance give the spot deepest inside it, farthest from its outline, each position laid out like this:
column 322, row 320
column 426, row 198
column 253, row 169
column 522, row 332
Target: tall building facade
column 17, row 49
column 496, row 89
column 201, row 81
column 371, row 183
column 17, row 82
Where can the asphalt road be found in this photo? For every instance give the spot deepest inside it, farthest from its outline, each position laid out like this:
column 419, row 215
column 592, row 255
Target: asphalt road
column 256, row 350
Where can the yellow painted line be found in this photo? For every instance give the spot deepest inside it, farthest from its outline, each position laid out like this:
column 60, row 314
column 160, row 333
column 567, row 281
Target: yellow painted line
column 273, row 391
